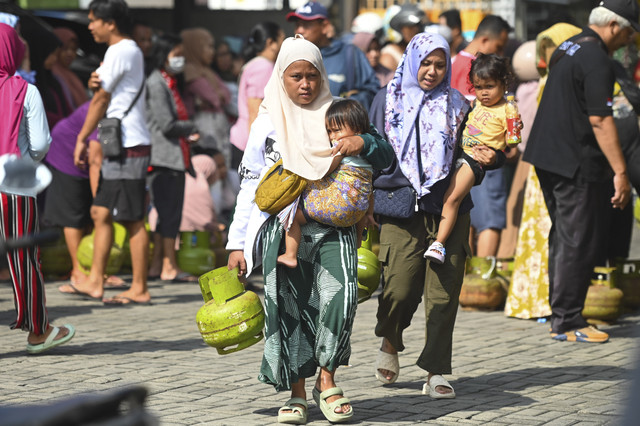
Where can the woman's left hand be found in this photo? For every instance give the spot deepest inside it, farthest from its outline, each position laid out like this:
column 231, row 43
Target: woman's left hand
column 484, row 155
column 349, row 145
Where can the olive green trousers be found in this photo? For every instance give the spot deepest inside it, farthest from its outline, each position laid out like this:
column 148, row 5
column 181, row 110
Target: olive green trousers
column 407, row 276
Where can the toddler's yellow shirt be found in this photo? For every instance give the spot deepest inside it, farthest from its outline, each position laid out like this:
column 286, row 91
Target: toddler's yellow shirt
column 485, row 126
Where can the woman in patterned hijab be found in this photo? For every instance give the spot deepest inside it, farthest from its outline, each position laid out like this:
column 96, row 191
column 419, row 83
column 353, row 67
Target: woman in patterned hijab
column 421, row 115
column 434, row 113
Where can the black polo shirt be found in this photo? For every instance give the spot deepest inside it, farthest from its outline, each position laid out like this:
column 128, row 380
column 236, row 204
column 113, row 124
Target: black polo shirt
column 580, row 85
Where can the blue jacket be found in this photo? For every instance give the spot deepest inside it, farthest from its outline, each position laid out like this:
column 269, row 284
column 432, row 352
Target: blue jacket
column 338, row 59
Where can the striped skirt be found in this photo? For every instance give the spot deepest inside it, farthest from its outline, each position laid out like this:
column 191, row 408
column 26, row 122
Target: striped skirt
column 310, row 309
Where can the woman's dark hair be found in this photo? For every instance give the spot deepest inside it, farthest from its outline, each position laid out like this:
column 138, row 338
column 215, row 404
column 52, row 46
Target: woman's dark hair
column 491, row 67
column 350, row 113
column 115, row 11
column 162, row 45
column 257, row 39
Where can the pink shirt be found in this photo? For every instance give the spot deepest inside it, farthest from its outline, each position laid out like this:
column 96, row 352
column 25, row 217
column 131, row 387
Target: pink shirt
column 254, row 77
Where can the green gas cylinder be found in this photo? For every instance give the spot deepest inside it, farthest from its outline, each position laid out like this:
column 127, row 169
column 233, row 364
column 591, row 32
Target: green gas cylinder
column 232, row 318
column 194, row 255
column 116, row 254
column 483, row 287
column 604, row 300
column 368, row 269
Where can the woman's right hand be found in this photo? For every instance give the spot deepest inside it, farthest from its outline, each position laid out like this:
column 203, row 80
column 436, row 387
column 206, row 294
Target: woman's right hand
column 484, row 155
column 236, row 259
column 348, row 145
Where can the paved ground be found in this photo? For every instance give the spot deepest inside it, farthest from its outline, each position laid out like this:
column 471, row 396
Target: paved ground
column 507, row 371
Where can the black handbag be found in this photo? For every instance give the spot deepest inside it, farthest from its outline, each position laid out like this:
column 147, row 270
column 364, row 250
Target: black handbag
column 110, row 137
column 400, row 203
column 110, row 131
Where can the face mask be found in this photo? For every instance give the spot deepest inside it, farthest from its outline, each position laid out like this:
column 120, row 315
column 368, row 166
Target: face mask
column 175, row 65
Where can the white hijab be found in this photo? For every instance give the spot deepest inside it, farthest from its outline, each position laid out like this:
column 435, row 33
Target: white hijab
column 302, row 136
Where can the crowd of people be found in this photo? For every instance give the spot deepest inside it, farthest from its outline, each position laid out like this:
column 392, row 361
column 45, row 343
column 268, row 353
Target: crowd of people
column 201, row 125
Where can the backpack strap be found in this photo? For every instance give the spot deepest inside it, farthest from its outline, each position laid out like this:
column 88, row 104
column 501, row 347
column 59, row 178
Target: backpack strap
column 585, row 39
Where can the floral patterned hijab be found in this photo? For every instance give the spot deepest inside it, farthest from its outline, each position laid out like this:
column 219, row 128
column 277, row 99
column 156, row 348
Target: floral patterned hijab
column 434, row 114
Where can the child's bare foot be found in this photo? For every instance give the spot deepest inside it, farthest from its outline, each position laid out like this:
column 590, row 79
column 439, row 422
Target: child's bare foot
column 288, row 261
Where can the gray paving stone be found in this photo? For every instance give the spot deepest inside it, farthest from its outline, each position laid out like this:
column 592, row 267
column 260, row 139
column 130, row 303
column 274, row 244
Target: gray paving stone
column 506, row 371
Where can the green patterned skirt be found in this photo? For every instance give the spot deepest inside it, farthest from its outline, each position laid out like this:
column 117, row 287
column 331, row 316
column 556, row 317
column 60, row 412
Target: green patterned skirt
column 309, row 309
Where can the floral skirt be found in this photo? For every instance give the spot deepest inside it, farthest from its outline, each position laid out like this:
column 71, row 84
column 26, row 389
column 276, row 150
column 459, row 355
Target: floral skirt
column 528, row 295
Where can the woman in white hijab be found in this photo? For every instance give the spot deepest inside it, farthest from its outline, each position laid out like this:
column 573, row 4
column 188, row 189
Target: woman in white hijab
column 310, row 309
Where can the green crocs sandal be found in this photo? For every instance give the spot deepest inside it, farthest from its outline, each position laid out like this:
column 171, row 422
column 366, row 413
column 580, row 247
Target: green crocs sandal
column 329, row 409
column 296, row 415
column 50, row 342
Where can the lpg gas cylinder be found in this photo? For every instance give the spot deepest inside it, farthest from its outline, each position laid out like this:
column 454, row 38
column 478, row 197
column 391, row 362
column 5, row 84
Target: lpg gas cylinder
column 368, row 270
column 232, row 318
column 604, row 301
column 482, row 287
column 195, row 256
column 116, row 254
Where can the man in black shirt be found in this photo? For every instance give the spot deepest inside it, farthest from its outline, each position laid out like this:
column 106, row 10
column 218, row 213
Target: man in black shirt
column 575, row 149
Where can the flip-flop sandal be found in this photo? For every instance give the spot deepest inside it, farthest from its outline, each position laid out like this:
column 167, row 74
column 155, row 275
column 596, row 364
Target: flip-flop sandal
column 329, row 409
column 295, row 415
column 430, row 386
column 50, row 342
column 386, row 361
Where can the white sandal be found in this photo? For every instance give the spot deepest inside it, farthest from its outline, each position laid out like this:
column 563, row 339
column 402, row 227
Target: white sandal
column 386, row 361
column 430, row 386
column 292, row 414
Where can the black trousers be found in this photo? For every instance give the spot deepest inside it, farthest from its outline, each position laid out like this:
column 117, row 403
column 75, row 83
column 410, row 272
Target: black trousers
column 579, row 212
column 167, row 192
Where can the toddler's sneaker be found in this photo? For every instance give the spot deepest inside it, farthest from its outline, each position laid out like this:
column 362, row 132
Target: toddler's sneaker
column 435, row 253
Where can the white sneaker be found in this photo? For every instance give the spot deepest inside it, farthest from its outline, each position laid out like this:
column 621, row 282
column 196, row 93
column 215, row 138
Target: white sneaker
column 435, row 253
